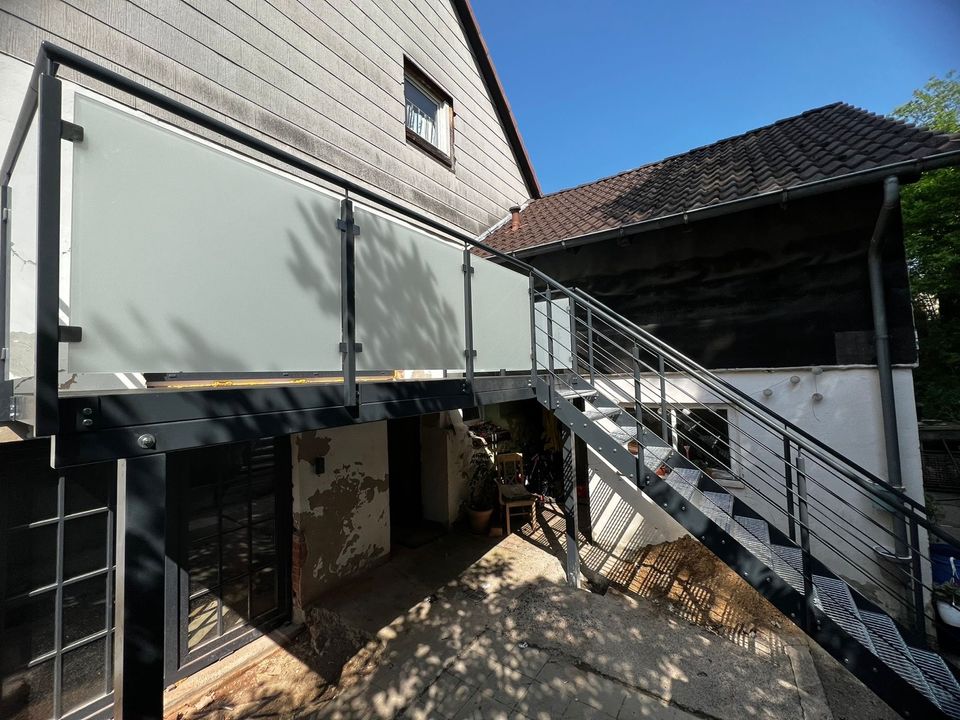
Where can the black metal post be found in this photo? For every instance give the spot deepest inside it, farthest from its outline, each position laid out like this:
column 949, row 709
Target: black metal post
column 664, row 420
column 469, row 353
column 48, row 256
column 348, row 303
column 788, row 483
column 590, row 366
column 139, row 613
column 550, row 363
column 807, row 569
column 4, row 270
column 920, row 618
column 571, row 520
column 533, row 333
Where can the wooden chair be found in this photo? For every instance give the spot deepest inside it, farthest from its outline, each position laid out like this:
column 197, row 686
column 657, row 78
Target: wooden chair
column 513, row 493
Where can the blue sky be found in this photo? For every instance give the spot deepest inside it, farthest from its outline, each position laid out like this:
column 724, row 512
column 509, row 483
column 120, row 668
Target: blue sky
column 602, row 86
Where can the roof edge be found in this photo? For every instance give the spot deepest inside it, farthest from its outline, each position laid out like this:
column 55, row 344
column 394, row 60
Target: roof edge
column 770, row 197
column 479, row 46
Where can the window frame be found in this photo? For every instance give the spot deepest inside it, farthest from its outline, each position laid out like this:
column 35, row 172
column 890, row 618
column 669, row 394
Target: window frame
column 444, row 102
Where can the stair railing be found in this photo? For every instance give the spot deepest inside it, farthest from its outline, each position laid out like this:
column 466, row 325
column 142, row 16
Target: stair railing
column 652, row 383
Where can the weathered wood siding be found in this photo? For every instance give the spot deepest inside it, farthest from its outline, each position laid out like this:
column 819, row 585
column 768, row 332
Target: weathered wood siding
column 321, row 77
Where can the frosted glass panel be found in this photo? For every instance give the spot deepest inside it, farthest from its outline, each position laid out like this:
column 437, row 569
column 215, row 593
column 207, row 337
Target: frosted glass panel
column 561, row 322
column 21, row 262
column 501, row 317
column 409, row 297
column 187, row 258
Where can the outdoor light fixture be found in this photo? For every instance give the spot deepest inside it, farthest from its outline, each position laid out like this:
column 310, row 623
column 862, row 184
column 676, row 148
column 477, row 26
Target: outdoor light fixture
column 318, row 466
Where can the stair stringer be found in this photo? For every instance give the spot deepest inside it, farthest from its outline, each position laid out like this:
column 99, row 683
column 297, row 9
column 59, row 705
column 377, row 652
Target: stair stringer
column 886, row 683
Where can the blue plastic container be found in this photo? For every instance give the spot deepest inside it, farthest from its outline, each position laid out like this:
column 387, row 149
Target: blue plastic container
column 940, row 554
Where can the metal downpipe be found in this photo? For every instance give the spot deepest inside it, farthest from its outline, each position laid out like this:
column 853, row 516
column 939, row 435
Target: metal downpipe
column 891, row 200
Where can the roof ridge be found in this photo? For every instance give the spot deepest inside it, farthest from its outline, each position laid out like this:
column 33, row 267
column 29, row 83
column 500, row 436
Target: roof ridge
column 746, row 134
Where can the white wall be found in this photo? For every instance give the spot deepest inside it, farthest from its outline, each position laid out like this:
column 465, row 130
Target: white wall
column 847, row 418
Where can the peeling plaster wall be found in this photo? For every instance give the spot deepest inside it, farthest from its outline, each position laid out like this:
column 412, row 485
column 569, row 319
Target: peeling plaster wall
column 342, row 516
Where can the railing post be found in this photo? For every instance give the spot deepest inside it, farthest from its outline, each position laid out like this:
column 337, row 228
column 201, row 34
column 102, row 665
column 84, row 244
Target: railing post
column 788, row 484
column 637, row 397
column 590, row 368
column 348, row 302
column 805, row 543
column 533, row 333
column 469, row 353
column 46, row 358
column 664, row 422
column 919, row 616
column 550, row 358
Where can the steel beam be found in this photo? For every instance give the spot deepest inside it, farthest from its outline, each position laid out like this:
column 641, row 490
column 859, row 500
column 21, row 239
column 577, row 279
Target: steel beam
column 139, row 612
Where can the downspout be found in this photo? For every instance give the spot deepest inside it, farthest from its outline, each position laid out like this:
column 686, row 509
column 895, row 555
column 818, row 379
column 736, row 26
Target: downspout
column 891, row 200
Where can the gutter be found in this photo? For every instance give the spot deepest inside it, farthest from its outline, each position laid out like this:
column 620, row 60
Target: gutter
column 771, row 197
column 888, row 402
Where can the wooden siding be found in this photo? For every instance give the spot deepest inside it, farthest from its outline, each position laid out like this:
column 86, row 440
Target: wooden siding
column 323, row 78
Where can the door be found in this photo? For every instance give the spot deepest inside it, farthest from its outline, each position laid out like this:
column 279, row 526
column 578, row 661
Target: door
column 233, row 534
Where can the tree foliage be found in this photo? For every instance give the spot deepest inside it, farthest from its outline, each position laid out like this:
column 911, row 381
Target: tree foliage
column 931, row 220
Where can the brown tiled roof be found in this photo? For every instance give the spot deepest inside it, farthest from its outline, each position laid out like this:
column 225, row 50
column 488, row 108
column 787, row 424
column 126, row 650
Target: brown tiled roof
column 820, row 144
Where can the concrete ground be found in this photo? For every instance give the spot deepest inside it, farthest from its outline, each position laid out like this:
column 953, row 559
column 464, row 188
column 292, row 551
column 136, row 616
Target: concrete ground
column 507, row 638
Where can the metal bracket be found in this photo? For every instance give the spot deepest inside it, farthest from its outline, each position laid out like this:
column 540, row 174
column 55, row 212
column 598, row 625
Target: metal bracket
column 469, row 269
column 357, row 347
column 351, row 227
column 6, row 214
column 71, row 132
column 69, row 334
column 469, row 353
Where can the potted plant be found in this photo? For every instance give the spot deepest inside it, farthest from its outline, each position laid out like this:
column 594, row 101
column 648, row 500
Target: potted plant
column 482, row 491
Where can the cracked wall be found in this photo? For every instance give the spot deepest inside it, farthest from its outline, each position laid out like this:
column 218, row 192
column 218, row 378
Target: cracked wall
column 341, row 516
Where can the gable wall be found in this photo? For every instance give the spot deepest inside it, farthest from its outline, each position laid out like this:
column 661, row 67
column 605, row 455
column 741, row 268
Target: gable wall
column 322, row 78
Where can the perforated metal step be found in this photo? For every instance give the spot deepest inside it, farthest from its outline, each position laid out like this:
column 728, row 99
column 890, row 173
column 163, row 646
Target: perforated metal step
column 889, row 646
column 788, row 564
column 754, row 535
column 945, row 688
column 599, row 413
column 719, row 508
column 836, row 602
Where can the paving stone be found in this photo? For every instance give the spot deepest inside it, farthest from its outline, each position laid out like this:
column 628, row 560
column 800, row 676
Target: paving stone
column 581, row 711
column 643, row 707
column 483, row 707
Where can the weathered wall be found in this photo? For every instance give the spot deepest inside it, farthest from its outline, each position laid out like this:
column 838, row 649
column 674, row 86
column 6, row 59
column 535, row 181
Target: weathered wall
column 322, row 78
column 341, row 517
column 846, row 418
column 445, row 451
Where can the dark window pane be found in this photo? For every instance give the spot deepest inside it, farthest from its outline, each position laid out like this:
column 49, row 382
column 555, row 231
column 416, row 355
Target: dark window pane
column 84, row 608
column 235, row 506
column 203, row 511
column 88, row 487
column 264, row 502
column 236, row 554
column 204, row 561
column 31, row 555
column 84, row 674
column 234, row 599
column 202, row 622
column 28, row 490
column 27, row 631
column 28, row 694
column 264, row 597
column 264, row 543
column 85, row 545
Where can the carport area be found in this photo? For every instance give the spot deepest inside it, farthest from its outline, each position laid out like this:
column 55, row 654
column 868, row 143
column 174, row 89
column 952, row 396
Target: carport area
column 477, row 627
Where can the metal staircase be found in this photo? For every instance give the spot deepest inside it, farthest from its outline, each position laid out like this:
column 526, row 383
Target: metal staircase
column 814, row 518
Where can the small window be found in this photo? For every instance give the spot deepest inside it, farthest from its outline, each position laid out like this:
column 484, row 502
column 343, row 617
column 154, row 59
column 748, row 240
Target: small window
column 429, row 114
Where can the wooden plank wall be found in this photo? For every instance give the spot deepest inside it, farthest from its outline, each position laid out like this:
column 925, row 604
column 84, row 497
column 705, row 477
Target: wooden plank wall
column 323, row 78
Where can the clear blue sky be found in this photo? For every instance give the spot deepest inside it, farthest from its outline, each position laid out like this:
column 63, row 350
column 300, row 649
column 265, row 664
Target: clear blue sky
column 600, row 86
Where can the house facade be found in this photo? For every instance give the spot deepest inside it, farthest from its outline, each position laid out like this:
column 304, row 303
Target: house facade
column 751, row 257
column 400, row 98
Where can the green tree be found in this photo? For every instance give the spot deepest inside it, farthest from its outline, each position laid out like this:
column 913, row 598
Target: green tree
column 931, row 221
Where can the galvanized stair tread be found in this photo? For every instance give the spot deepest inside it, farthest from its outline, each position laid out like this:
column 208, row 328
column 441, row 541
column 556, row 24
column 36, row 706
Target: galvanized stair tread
column 788, row 564
column 621, row 436
column 587, row 393
column 599, row 413
column 945, row 688
column 754, row 535
column 836, row 602
column 888, row 645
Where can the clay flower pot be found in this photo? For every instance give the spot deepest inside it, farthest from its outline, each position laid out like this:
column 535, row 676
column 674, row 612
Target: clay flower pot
column 479, row 520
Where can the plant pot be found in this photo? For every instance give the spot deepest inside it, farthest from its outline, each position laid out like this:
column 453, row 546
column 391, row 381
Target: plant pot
column 479, row 520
